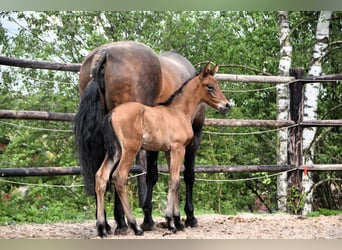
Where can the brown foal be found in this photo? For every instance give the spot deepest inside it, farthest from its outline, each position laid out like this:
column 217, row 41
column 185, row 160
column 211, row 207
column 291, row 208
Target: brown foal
column 166, row 127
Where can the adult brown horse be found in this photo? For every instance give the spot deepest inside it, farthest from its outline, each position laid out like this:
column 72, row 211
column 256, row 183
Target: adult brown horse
column 166, row 127
column 130, row 71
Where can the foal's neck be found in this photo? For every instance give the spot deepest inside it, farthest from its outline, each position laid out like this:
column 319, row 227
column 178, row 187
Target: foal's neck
column 188, row 100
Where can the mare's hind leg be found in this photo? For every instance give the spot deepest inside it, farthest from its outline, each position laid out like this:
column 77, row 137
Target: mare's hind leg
column 151, row 180
column 101, row 180
column 189, row 176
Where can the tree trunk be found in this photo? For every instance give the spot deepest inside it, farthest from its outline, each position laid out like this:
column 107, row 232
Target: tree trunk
column 311, row 102
column 283, row 104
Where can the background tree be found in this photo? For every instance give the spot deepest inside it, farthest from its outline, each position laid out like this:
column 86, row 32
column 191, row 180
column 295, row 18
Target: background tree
column 283, row 104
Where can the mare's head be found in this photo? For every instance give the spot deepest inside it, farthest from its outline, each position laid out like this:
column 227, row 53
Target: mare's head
column 211, row 91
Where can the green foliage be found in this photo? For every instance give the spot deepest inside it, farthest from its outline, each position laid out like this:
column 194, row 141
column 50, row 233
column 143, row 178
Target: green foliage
column 43, row 204
column 295, row 200
column 240, row 42
column 325, row 212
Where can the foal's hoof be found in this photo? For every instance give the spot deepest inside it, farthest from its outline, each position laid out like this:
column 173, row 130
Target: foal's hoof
column 171, row 225
column 137, row 230
column 178, row 223
column 121, row 230
column 101, row 234
column 147, row 226
column 173, row 229
column 102, row 230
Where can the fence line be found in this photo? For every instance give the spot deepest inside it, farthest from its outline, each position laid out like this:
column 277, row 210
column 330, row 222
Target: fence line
column 295, row 81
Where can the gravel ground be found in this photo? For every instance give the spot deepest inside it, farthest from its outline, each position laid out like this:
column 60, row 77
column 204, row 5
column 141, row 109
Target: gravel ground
column 213, row 226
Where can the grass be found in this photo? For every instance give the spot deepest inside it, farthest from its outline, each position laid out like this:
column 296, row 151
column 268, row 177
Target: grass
column 325, row 212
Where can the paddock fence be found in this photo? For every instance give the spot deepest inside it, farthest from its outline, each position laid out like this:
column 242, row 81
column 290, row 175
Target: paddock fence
column 295, row 125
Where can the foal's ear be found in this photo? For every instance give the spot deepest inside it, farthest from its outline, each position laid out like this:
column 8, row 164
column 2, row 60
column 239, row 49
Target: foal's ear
column 214, row 70
column 205, row 71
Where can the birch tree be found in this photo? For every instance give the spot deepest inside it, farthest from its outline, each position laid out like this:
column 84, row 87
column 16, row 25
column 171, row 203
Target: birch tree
column 311, row 101
column 283, row 103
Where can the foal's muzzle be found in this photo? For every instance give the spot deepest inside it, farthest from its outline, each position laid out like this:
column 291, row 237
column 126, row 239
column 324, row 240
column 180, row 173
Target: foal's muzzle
column 224, row 108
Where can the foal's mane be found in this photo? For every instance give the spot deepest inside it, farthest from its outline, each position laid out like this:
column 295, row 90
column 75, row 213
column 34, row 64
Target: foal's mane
column 177, row 92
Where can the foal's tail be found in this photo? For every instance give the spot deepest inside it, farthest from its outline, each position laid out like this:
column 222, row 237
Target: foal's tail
column 88, row 126
column 111, row 142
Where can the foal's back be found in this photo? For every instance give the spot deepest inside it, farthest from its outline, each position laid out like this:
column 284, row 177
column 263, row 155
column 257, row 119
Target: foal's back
column 158, row 128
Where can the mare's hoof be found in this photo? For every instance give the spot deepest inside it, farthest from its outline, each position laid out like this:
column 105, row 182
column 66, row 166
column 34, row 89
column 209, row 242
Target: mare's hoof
column 191, row 222
column 121, row 230
column 147, row 226
column 180, row 227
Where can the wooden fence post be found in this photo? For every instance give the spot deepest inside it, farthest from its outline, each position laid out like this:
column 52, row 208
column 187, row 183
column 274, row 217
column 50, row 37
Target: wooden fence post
column 295, row 144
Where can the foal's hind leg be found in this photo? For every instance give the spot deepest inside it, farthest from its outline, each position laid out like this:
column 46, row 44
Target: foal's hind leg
column 120, row 176
column 107, row 227
column 101, row 180
column 172, row 216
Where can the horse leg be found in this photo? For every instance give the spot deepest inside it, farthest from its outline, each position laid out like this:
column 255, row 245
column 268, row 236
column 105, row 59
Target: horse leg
column 178, row 223
column 151, row 180
column 101, row 180
column 120, row 176
column 172, row 215
column 189, row 177
column 119, row 216
column 107, row 226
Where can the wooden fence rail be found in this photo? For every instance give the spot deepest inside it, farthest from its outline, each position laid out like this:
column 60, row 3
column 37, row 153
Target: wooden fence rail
column 55, row 116
column 136, row 169
column 35, row 64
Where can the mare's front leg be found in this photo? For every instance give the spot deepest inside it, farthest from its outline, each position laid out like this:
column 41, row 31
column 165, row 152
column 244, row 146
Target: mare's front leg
column 172, row 215
column 151, row 180
column 189, row 175
column 101, row 180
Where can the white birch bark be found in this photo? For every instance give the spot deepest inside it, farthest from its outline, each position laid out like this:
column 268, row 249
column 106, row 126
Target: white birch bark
column 311, row 101
column 283, row 104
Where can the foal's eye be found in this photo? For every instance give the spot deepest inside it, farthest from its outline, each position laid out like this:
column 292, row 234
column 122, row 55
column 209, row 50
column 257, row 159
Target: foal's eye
column 210, row 88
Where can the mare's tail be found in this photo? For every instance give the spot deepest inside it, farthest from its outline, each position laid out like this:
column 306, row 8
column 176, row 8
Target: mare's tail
column 88, row 126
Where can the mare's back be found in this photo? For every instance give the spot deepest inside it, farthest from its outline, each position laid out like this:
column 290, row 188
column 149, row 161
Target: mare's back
column 132, row 73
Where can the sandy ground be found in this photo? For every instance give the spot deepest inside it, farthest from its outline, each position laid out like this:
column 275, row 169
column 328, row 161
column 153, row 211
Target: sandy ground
column 242, row 226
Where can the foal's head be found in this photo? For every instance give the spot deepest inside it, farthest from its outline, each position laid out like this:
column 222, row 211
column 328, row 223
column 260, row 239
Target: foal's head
column 211, row 91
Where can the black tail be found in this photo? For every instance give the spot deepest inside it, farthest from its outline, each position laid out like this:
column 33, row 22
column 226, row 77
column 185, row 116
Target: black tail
column 88, row 127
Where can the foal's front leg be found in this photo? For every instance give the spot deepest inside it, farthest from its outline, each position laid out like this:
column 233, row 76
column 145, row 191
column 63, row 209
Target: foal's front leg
column 101, row 179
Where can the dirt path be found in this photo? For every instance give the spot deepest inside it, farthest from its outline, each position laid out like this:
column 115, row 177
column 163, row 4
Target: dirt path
column 243, row 226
